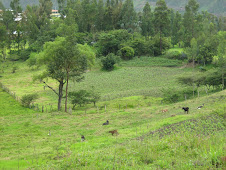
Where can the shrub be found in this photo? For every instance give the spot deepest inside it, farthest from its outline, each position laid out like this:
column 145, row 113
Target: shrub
column 28, row 99
column 173, row 95
column 32, row 61
column 126, row 53
column 109, row 61
column 174, row 55
column 139, row 46
column 80, row 98
column 24, row 54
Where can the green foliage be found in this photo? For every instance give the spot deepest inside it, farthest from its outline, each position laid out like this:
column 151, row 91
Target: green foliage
column 165, row 44
column 109, row 61
column 174, row 55
column 26, row 100
column 24, row 54
column 172, row 95
column 83, row 97
column 88, row 52
column 32, row 61
column 79, row 98
column 14, row 69
column 126, row 53
column 110, row 42
column 139, row 46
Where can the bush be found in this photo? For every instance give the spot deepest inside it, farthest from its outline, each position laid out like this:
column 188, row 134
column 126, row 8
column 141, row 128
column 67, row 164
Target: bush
column 109, row 61
column 174, row 55
column 172, row 95
column 24, row 54
column 126, row 53
column 32, row 61
column 79, row 98
column 28, row 99
column 139, row 46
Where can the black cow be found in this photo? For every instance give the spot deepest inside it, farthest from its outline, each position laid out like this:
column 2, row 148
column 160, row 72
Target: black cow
column 82, row 138
column 106, row 123
column 186, row 109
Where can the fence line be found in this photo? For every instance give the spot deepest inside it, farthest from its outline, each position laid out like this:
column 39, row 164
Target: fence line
column 36, row 107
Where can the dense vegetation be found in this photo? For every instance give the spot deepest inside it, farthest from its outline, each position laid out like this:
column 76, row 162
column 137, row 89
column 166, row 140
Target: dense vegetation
column 102, row 60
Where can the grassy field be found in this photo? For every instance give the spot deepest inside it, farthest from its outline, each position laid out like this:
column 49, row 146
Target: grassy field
column 132, row 102
column 144, row 76
column 37, row 140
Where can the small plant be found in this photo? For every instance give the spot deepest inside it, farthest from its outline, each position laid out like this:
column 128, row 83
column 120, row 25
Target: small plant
column 14, row 69
column 28, row 99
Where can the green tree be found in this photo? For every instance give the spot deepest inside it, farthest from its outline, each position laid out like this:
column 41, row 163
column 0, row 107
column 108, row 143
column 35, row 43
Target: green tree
column 161, row 19
column 176, row 29
column 15, row 5
column 190, row 20
column 128, row 16
column 192, row 52
column 146, row 21
column 221, row 51
column 63, row 62
column 100, row 16
column 3, row 38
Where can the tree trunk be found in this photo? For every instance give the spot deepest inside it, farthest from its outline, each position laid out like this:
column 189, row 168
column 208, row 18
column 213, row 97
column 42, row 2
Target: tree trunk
column 222, row 80
column 61, row 85
column 66, row 93
column 160, row 42
column 193, row 58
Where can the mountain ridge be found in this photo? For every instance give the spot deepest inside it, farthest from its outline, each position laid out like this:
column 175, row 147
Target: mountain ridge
column 217, row 7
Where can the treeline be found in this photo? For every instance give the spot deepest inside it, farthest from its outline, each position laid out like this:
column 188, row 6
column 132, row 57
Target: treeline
column 88, row 19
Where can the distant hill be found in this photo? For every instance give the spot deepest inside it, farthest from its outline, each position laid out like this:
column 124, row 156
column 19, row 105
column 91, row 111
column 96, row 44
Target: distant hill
column 217, row 7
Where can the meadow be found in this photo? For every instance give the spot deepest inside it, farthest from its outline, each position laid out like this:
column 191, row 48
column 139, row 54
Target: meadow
column 131, row 99
column 147, row 137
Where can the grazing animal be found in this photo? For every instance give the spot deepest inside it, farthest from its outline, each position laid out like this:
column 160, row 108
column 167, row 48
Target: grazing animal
column 114, row 132
column 49, row 133
column 186, row 109
column 165, row 110
column 173, row 115
column 200, row 106
column 106, row 123
column 82, row 138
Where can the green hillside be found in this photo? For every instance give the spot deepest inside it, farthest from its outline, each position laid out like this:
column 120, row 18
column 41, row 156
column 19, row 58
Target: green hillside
column 148, row 138
column 217, row 7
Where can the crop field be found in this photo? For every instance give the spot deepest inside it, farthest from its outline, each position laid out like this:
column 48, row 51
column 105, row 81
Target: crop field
column 144, row 76
column 148, row 138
